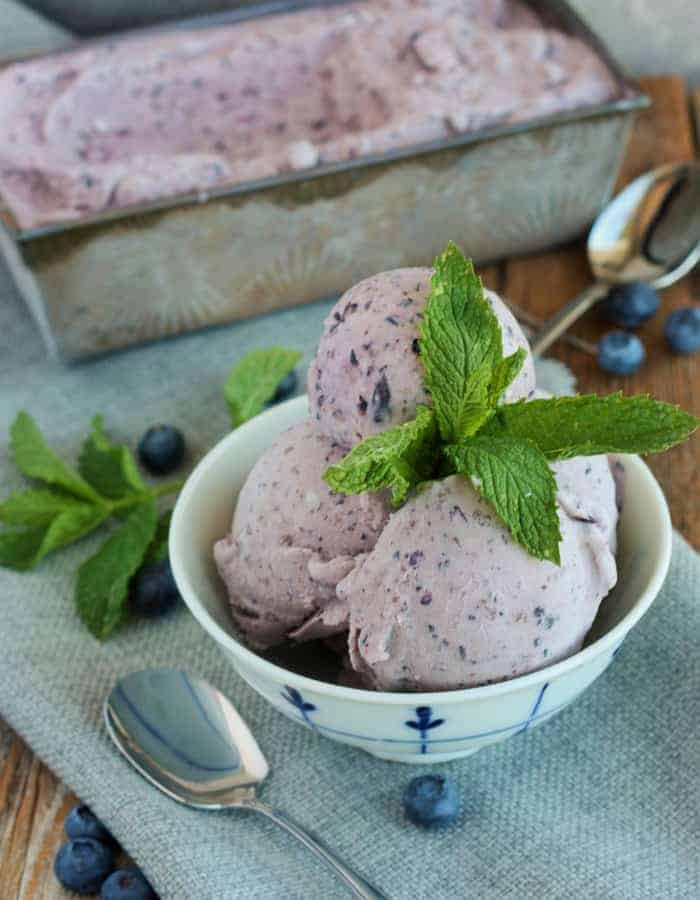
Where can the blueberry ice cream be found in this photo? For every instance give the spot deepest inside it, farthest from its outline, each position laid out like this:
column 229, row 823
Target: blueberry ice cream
column 447, row 599
column 292, row 541
column 367, row 374
column 151, row 116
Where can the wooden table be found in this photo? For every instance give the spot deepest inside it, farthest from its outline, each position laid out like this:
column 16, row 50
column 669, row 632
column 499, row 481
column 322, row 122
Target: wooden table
column 33, row 803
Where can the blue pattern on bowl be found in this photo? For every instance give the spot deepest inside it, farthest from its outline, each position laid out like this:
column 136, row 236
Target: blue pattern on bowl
column 424, row 723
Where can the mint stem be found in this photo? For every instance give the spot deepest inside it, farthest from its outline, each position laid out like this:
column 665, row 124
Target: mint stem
column 170, row 487
column 161, row 490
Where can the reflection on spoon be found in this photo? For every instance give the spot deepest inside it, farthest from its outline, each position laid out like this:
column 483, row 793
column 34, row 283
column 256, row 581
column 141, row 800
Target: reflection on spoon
column 649, row 232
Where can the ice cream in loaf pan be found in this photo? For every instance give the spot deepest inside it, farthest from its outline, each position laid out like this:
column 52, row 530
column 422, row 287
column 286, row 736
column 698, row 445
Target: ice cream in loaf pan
column 151, row 117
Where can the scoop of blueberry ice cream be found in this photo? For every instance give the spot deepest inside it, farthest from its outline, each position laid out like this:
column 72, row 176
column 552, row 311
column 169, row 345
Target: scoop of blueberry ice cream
column 367, row 375
column 447, row 599
column 292, row 541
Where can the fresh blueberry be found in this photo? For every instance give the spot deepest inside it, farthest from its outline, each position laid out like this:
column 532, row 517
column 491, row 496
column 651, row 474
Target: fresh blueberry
column 82, row 865
column 127, row 884
column 82, row 822
column 286, row 387
column 162, row 449
column 620, row 353
column 431, row 800
column 630, row 305
column 153, row 591
column 682, row 330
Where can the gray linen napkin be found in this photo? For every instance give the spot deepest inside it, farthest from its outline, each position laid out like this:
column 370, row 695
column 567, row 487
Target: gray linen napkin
column 602, row 802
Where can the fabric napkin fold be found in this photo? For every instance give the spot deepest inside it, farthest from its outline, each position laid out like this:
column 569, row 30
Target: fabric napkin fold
column 601, row 802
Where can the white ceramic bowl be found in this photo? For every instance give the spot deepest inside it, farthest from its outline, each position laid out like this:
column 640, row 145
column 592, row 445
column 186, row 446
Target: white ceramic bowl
column 412, row 728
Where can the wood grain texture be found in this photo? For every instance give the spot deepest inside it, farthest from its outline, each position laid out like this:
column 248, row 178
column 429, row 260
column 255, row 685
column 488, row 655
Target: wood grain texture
column 33, row 803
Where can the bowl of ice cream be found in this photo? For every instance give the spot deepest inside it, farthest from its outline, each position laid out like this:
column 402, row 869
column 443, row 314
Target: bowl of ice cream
column 410, row 725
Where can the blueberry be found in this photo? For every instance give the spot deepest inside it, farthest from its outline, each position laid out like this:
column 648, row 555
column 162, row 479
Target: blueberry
column 162, row 449
column 82, row 822
column 81, row 865
column 682, row 330
column 127, row 884
column 286, row 387
column 620, row 353
column 630, row 305
column 153, row 591
column 431, row 800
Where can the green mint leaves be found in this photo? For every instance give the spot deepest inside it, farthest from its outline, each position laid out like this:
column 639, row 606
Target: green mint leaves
column 462, row 349
column 35, row 459
column 563, row 427
column 254, row 379
column 513, row 476
column 109, row 468
column 503, row 449
column 398, row 460
column 102, row 587
column 69, row 504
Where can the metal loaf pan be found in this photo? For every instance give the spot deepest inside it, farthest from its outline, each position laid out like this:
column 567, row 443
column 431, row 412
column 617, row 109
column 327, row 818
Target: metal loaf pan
column 133, row 275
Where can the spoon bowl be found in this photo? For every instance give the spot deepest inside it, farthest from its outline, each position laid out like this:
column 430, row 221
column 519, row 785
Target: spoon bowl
column 650, row 232
column 186, row 738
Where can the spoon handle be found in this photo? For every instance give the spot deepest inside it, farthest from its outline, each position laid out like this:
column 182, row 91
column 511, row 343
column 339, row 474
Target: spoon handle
column 360, row 888
column 567, row 315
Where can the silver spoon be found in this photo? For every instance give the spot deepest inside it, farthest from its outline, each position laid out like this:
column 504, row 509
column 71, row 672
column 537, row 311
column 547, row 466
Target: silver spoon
column 649, row 232
column 186, row 738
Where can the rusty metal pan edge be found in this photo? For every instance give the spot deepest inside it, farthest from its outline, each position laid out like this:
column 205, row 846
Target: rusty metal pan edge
column 631, row 100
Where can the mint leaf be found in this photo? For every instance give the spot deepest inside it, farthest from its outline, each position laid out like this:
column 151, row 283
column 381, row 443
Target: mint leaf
column 461, row 345
column 23, row 547
column 107, row 467
column 37, row 507
column 563, row 427
column 504, row 374
column 397, row 459
column 19, row 546
column 513, row 476
column 254, row 379
column 102, row 588
column 36, row 460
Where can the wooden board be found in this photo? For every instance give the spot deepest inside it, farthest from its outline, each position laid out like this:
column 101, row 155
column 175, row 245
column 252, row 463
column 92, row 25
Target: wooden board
column 32, row 801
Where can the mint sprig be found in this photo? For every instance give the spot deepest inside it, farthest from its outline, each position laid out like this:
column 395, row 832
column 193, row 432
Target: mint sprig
column 70, row 504
column 503, row 449
column 396, row 460
column 254, row 379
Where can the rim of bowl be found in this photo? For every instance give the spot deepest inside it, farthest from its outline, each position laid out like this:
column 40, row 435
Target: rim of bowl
column 548, row 673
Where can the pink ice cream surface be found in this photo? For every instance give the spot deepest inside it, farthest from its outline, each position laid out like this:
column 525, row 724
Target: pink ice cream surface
column 367, row 375
column 149, row 117
column 448, row 600
column 292, row 541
